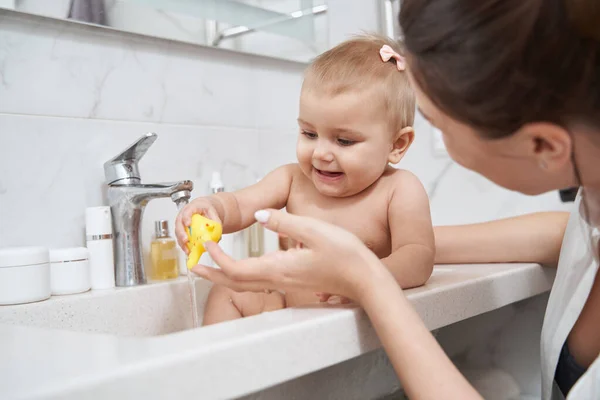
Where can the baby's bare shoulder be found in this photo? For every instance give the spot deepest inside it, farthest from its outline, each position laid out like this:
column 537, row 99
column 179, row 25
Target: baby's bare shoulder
column 290, row 169
column 288, row 172
column 300, row 183
column 401, row 180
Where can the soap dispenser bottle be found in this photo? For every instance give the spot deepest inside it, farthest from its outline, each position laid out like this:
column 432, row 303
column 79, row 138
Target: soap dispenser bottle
column 163, row 253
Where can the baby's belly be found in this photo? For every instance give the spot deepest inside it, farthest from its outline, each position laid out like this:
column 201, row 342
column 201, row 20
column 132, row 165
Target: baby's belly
column 293, row 299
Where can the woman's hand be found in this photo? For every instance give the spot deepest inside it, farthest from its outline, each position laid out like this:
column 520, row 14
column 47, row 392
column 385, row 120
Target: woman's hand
column 201, row 205
column 330, row 260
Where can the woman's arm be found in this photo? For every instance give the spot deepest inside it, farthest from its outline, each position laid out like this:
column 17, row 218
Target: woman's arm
column 333, row 260
column 420, row 363
column 533, row 238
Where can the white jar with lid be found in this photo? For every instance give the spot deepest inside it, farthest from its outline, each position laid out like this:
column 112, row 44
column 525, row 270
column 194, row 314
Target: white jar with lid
column 69, row 270
column 24, row 275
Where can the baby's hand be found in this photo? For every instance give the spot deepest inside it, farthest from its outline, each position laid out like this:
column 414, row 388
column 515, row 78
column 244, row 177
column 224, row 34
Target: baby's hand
column 202, row 206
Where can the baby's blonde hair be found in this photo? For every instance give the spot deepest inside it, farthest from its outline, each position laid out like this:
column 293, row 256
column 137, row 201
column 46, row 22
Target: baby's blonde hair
column 356, row 65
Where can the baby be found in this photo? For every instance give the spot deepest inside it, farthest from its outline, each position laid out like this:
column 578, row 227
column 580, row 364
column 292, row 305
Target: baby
column 356, row 116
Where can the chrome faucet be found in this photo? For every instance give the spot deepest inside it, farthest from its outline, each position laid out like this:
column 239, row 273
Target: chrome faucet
column 127, row 198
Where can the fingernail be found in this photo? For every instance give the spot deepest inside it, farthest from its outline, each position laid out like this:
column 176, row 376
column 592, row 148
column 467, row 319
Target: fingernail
column 262, row 216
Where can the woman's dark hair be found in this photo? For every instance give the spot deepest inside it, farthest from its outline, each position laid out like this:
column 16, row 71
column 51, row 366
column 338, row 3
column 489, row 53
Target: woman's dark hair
column 499, row 64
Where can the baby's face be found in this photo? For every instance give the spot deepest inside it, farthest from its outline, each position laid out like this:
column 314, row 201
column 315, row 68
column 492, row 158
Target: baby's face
column 345, row 141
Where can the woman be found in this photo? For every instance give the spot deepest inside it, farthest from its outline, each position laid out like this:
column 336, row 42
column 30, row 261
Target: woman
column 515, row 88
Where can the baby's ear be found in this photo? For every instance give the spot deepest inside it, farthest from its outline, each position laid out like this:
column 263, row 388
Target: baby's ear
column 402, row 141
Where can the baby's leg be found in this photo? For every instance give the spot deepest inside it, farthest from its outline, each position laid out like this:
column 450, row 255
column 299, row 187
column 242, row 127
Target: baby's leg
column 224, row 304
column 250, row 303
column 219, row 306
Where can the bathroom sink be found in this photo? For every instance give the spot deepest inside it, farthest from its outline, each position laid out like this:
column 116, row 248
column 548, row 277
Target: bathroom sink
column 137, row 342
column 441, row 271
column 147, row 310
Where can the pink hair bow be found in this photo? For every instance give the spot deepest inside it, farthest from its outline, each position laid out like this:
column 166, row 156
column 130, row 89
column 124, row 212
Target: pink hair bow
column 387, row 53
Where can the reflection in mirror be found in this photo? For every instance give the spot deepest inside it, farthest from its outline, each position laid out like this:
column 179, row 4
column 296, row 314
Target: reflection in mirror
column 288, row 29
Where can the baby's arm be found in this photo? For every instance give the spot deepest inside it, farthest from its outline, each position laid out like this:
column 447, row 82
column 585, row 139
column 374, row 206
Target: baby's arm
column 413, row 244
column 235, row 210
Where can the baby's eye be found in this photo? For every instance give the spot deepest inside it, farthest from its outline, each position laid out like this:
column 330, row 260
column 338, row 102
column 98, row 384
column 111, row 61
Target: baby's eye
column 345, row 142
column 310, row 135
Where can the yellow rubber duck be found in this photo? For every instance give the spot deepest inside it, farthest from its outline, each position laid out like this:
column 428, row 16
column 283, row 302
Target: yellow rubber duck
column 201, row 230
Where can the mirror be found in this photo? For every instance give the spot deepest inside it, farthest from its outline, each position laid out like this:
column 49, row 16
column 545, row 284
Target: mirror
column 287, row 29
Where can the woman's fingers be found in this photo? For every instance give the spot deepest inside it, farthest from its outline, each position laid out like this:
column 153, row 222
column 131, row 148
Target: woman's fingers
column 301, row 229
column 324, row 251
column 283, row 242
column 260, row 268
column 220, row 278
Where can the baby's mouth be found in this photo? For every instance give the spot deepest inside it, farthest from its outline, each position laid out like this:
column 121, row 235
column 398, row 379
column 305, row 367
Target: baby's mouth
column 328, row 174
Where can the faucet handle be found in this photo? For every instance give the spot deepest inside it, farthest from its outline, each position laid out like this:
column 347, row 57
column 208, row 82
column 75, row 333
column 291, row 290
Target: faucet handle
column 125, row 165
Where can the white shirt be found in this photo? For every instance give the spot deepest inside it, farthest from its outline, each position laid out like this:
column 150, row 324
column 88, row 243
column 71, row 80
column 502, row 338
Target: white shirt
column 577, row 269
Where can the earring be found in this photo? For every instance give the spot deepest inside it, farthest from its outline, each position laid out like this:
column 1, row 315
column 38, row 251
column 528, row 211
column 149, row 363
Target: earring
column 543, row 165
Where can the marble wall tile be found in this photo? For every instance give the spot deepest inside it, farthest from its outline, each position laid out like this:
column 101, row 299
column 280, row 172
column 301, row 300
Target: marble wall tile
column 52, row 169
column 63, row 69
column 277, row 148
column 463, row 196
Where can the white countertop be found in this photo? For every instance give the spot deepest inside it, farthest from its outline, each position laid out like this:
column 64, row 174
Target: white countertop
column 255, row 353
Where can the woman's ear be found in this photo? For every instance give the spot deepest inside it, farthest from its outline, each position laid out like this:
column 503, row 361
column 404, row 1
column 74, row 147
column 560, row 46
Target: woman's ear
column 402, row 141
column 549, row 145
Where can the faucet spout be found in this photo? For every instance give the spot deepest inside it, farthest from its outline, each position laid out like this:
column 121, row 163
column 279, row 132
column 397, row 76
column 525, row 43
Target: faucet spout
column 127, row 203
column 142, row 193
column 127, row 197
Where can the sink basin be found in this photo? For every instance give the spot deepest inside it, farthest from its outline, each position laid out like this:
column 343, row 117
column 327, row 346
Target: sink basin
column 137, row 342
column 147, row 310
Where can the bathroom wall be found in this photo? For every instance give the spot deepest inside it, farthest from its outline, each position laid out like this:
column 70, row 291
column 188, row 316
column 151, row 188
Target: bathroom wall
column 189, row 25
column 73, row 96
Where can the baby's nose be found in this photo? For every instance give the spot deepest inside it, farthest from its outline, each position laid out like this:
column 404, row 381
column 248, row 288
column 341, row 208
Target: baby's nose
column 323, row 153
